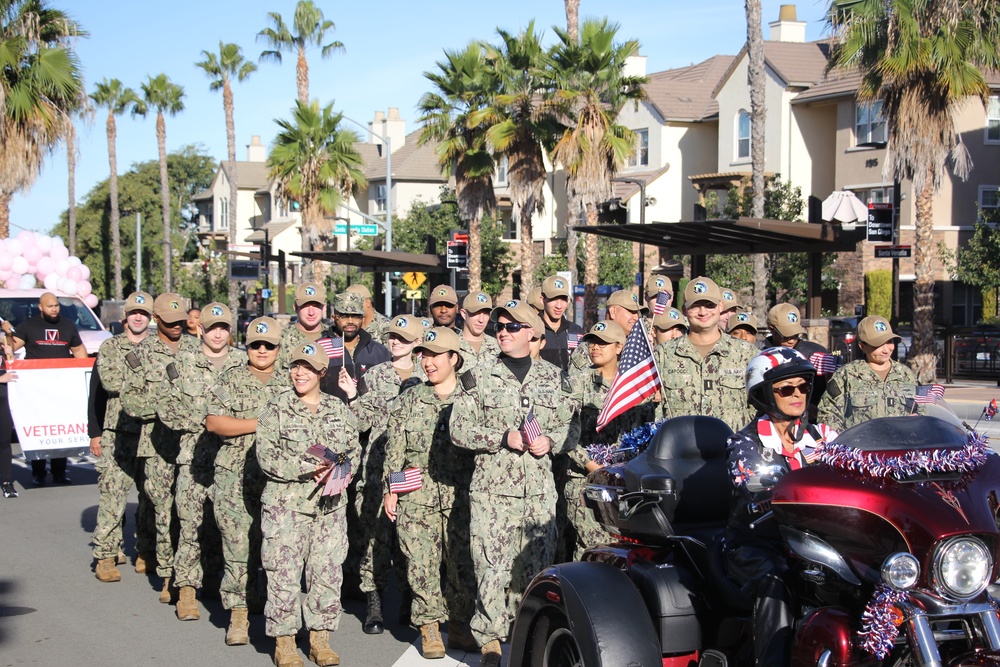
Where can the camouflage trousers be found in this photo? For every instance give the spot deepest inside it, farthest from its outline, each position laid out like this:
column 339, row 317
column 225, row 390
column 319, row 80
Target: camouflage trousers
column 237, row 513
column 297, row 545
column 430, row 537
column 381, row 552
column 582, row 530
column 199, row 546
column 160, row 475
column 513, row 539
column 117, row 470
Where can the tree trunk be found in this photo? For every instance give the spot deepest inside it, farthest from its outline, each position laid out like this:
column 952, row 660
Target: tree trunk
column 302, row 77
column 527, row 248
column 115, row 213
column 227, row 104
column 168, row 255
column 475, row 253
column 572, row 239
column 573, row 20
column 5, row 198
column 71, row 185
column 756, row 81
column 591, row 269
column 923, row 358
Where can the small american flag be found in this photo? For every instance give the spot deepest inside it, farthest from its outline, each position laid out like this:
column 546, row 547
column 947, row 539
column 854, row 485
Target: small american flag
column 637, row 378
column 405, row 481
column 929, row 393
column 573, row 340
column 334, row 347
column 338, row 479
column 530, row 429
column 824, row 363
column 662, row 302
column 991, row 410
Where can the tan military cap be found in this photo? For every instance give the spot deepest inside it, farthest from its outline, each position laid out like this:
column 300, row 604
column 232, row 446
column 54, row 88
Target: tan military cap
column 310, row 293
column 169, row 307
column 475, row 302
column 406, row 327
column 702, row 289
column 875, row 331
column 784, row 318
column 312, row 354
column 439, row 339
column 139, row 301
column 442, row 294
column 605, row 331
column 264, row 329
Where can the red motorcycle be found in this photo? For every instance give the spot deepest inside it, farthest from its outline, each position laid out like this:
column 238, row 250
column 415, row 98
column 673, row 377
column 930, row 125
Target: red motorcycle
column 892, row 541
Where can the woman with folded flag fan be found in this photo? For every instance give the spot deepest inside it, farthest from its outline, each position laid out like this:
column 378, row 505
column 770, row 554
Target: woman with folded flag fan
column 307, row 446
column 427, row 481
column 875, row 386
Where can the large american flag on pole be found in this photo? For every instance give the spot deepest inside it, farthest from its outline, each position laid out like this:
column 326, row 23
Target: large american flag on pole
column 637, row 377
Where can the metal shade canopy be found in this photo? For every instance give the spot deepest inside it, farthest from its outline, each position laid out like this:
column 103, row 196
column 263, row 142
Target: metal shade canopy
column 844, row 206
column 379, row 261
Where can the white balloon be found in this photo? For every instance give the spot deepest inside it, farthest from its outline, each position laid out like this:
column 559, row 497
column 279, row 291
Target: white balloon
column 5, row 274
column 26, row 282
column 58, row 252
column 51, row 281
column 44, row 242
column 62, row 266
column 85, row 271
column 68, row 286
column 74, row 261
column 14, row 247
column 6, row 261
column 26, row 237
column 19, row 265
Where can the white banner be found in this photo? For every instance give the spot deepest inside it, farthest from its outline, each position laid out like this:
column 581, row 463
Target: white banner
column 49, row 404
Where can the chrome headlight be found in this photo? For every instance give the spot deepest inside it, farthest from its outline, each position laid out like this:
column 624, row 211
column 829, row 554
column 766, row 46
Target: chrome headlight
column 901, row 571
column 962, row 567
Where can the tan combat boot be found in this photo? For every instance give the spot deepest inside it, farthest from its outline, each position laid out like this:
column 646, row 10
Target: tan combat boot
column 187, row 605
column 431, row 645
column 143, row 563
column 106, row 571
column 319, row 649
column 166, row 596
column 285, row 653
column 491, row 654
column 238, row 633
column 460, row 637
column 121, row 560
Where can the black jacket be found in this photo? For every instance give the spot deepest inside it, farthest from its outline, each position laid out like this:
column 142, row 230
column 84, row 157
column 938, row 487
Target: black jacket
column 367, row 353
column 556, row 350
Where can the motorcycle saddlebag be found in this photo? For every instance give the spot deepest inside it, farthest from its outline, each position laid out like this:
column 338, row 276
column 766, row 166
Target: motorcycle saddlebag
column 669, row 594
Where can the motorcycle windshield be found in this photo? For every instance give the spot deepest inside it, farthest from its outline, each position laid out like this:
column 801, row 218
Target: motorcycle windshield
column 932, row 425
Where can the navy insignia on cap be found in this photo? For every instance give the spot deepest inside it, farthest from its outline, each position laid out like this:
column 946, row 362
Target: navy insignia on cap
column 430, row 335
column 510, row 304
column 308, row 349
column 558, row 283
column 175, row 305
column 674, row 315
column 743, row 317
column 728, row 296
column 216, row 311
column 427, row 324
column 442, row 292
column 401, row 322
column 262, row 327
column 880, row 326
column 140, row 299
column 600, row 326
column 793, row 318
column 660, row 282
column 310, row 290
column 700, row 288
column 482, row 298
column 635, row 299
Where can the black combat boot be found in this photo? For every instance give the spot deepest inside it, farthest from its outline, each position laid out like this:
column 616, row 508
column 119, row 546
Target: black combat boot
column 373, row 620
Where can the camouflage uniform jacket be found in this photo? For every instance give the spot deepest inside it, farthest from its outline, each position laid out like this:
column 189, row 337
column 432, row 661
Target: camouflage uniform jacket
column 470, row 358
column 382, row 386
column 855, row 393
column 146, row 386
column 287, row 428
column 714, row 386
column 579, row 361
column 112, row 369
column 186, row 405
column 589, row 392
column 379, row 327
column 291, row 338
column 238, row 393
column 419, row 438
column 489, row 403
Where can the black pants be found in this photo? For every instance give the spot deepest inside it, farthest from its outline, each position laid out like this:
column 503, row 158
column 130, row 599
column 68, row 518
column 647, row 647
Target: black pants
column 6, row 431
column 761, row 570
column 58, row 467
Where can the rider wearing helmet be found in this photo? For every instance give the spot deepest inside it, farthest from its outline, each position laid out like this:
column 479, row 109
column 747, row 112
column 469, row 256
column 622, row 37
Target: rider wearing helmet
column 779, row 382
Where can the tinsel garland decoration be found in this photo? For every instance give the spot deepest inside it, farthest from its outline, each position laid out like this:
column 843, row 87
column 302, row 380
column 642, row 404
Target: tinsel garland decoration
column 878, row 628
column 900, row 466
column 629, row 446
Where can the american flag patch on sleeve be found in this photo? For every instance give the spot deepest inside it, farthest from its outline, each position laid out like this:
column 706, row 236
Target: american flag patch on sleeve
column 266, row 418
column 222, row 394
column 405, row 481
column 573, row 340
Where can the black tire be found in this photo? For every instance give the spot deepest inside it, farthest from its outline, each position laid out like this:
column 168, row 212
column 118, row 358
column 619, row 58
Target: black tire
column 552, row 643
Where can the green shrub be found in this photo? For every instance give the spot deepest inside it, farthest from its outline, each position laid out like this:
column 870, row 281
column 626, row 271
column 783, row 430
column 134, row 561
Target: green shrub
column 878, row 293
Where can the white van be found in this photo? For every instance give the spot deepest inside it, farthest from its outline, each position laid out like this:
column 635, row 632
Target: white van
column 17, row 305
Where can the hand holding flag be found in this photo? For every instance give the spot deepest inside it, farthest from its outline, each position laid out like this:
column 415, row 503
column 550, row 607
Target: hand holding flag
column 405, row 481
column 637, row 378
column 530, row 429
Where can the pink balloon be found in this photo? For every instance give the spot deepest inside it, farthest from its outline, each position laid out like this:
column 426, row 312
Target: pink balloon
column 6, row 261
column 46, row 265
column 27, row 238
column 51, row 281
column 58, row 252
column 14, row 247
column 91, row 300
column 61, row 266
column 84, row 288
column 13, row 281
column 85, row 272
column 5, row 274
column 32, row 253
column 74, row 273
column 69, row 287
column 19, row 265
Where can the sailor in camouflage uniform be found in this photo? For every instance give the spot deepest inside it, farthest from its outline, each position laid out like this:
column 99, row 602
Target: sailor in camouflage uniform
column 703, row 371
column 116, row 463
column 513, row 493
column 310, row 308
column 433, row 521
column 624, row 309
column 145, row 387
column 374, row 322
column 476, row 343
column 304, row 532
column 875, row 386
column 191, row 376
column 235, row 401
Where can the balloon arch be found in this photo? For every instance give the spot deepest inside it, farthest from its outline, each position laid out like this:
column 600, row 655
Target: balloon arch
column 32, row 259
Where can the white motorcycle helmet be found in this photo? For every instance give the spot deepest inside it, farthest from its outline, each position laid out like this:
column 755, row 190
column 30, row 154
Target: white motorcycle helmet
column 771, row 365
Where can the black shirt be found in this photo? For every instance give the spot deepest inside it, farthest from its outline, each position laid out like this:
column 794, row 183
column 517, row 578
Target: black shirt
column 48, row 340
column 557, row 348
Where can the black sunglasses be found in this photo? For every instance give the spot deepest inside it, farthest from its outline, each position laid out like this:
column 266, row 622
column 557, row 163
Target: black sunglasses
column 789, row 389
column 257, row 344
column 512, row 327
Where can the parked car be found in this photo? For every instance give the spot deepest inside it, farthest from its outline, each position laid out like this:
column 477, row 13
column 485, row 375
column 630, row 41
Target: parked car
column 17, row 305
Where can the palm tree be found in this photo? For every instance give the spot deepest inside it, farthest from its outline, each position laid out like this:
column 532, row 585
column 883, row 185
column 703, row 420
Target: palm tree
column 463, row 84
column 573, row 19
column 590, row 77
column 522, row 119
column 162, row 94
column 315, row 163
column 310, row 30
column 756, row 78
column 221, row 69
column 923, row 60
column 41, row 85
column 118, row 99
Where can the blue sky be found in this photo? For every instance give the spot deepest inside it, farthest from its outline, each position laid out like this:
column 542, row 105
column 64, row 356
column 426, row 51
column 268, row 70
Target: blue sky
column 388, row 47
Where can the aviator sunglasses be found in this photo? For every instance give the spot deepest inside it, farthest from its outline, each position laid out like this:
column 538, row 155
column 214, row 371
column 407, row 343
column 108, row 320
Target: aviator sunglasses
column 512, row 327
column 789, row 389
column 257, row 344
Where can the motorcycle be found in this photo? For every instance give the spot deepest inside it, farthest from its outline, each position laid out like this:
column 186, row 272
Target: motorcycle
column 892, row 539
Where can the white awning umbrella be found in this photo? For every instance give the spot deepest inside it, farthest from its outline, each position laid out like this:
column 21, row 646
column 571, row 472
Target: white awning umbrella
column 844, row 206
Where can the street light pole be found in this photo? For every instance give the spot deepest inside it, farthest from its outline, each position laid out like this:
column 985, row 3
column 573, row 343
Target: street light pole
column 138, row 251
column 642, row 221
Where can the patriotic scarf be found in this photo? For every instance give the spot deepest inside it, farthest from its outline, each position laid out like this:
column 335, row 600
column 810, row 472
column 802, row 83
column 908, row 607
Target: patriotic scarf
column 803, row 452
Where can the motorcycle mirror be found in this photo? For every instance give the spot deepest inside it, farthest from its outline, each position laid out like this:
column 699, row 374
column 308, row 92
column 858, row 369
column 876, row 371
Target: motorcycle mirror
column 766, row 478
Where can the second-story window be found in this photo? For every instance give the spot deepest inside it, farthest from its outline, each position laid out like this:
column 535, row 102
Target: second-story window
column 869, row 124
column 993, row 119
column 641, row 156
column 502, row 167
column 224, row 214
column 381, row 198
column 743, row 136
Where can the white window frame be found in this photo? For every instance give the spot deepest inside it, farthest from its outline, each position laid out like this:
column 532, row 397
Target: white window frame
column 381, row 198
column 879, row 195
column 502, row 167
column 995, row 189
column 991, row 132
column 223, row 214
column 868, row 119
column 511, row 229
column 740, row 140
column 640, row 157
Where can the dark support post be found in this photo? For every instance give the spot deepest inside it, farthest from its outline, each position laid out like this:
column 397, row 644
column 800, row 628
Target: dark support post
column 895, row 260
column 814, row 300
column 281, row 281
column 698, row 264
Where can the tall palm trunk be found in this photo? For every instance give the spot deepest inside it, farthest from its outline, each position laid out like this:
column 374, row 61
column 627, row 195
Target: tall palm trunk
column 116, row 244
column 475, row 253
column 923, row 360
column 756, row 80
column 302, row 77
column 5, row 198
column 161, row 144
column 227, row 105
column 527, row 246
column 572, row 238
column 71, row 184
column 573, row 19
column 590, row 271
